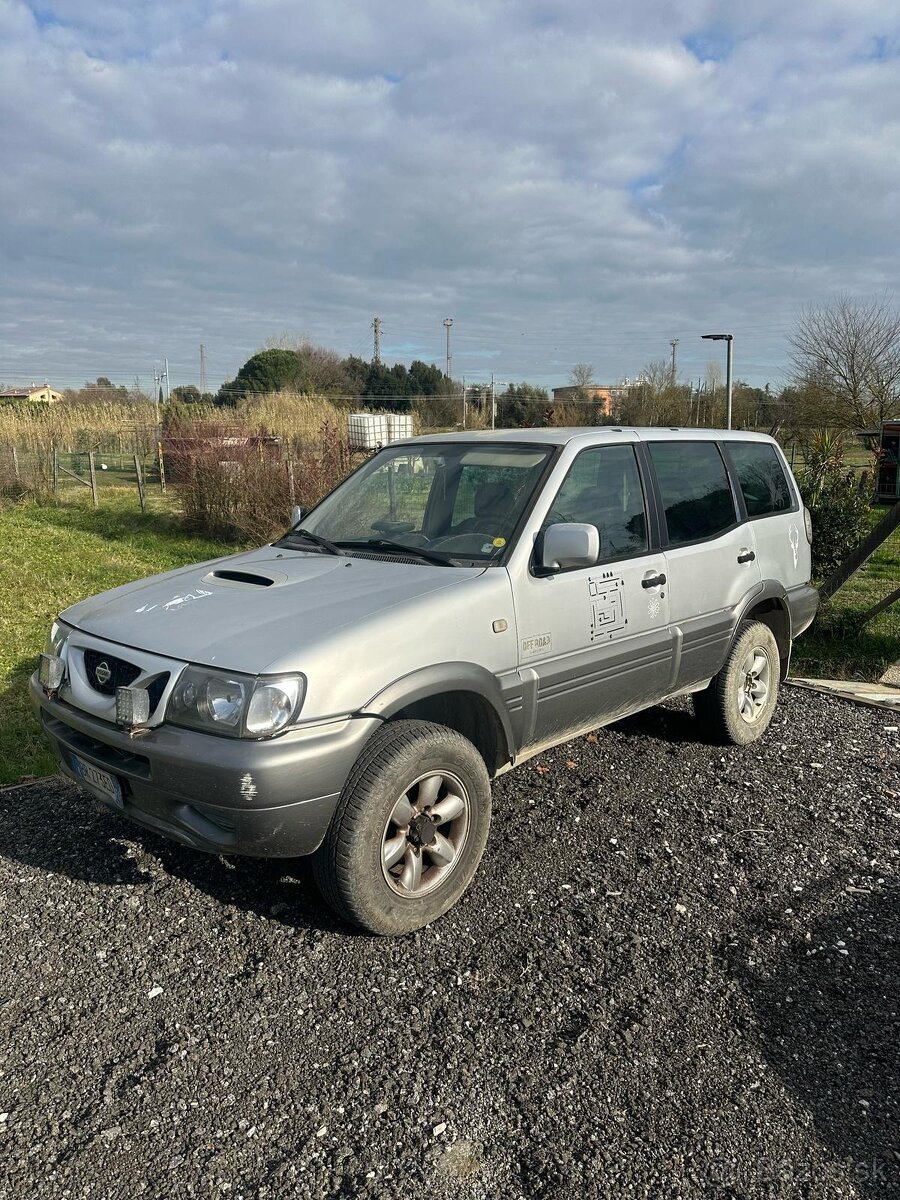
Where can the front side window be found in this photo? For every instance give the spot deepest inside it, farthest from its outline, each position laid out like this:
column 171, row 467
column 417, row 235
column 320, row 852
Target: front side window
column 603, row 488
column 761, row 476
column 695, row 491
column 455, row 502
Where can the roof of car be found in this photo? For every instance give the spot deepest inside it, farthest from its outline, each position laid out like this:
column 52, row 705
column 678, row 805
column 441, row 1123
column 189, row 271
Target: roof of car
column 560, row 437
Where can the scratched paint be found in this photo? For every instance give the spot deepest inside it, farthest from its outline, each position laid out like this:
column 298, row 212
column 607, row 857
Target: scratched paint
column 188, row 598
column 248, row 787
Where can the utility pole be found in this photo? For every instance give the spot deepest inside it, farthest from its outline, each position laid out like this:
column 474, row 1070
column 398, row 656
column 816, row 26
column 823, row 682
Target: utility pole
column 167, row 377
column 673, row 344
column 448, row 323
column 202, row 369
column 493, row 403
column 464, row 401
column 376, row 356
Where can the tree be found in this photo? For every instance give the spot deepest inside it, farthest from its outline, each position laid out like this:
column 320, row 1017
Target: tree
column 424, row 378
column 846, row 361
column 186, row 394
column 267, row 371
column 582, row 377
column 523, row 405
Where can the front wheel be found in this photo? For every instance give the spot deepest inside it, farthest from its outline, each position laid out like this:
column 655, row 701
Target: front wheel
column 409, row 830
column 739, row 703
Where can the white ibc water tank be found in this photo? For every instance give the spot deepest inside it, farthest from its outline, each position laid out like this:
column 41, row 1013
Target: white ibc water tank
column 400, row 426
column 368, row 431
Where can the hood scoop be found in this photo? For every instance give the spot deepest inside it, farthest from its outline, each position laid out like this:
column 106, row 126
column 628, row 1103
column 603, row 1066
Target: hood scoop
column 228, row 577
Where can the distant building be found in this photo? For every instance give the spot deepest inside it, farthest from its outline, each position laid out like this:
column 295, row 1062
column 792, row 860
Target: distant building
column 38, row 393
column 604, row 397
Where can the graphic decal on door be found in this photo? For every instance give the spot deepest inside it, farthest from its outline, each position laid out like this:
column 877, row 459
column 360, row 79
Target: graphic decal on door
column 607, row 598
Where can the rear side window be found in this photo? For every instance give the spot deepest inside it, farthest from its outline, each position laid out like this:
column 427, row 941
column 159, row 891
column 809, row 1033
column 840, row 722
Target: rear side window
column 695, row 491
column 761, row 477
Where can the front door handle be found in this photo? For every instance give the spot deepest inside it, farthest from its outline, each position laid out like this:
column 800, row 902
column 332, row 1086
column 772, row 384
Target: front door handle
column 650, row 581
column 746, row 556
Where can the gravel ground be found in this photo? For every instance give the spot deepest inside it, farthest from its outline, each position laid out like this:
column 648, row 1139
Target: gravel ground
column 677, row 974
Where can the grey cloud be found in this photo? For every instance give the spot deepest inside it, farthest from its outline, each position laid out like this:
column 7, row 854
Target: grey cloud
column 570, row 181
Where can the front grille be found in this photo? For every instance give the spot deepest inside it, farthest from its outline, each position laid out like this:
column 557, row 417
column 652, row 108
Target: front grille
column 121, row 673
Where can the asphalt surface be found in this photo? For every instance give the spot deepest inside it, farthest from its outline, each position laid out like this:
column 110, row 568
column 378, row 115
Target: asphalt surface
column 677, row 974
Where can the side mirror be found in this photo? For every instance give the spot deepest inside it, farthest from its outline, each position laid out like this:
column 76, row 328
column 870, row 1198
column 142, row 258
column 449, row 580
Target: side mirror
column 564, row 547
column 297, row 515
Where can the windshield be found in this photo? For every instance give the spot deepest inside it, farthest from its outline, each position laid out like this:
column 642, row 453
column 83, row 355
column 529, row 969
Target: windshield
column 447, row 501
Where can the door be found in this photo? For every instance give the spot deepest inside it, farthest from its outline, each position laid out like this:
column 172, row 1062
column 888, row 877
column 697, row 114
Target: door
column 711, row 560
column 782, row 551
column 594, row 643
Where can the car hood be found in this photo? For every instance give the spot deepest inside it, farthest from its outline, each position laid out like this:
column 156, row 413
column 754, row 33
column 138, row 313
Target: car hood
column 250, row 610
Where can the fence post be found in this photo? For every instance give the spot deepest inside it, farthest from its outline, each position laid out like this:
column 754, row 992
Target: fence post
column 140, row 482
column 162, row 468
column 290, row 475
column 15, row 457
column 55, row 470
column 882, row 531
column 93, row 472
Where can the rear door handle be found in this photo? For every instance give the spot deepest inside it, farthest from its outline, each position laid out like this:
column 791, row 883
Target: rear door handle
column 746, row 556
column 650, row 581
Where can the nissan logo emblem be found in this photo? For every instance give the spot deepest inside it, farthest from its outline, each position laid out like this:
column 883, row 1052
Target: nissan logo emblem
column 102, row 672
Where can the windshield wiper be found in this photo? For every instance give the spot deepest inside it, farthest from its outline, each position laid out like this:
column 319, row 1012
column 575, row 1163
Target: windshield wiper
column 400, row 548
column 315, row 539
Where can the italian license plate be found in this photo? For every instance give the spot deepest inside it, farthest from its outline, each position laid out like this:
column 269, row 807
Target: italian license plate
column 100, row 781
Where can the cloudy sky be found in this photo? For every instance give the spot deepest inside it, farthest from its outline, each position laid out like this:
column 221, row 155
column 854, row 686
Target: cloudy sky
column 571, row 181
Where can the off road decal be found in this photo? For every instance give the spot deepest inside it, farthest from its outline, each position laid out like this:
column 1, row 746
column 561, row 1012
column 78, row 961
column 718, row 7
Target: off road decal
column 539, row 644
column 607, row 599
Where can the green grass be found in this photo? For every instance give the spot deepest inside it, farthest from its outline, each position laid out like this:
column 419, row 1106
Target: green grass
column 53, row 555
column 837, row 647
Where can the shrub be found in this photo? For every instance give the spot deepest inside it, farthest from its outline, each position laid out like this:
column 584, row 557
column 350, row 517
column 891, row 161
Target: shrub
column 240, row 488
column 838, row 500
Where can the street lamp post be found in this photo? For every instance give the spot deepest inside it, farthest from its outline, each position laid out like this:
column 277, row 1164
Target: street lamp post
column 729, row 361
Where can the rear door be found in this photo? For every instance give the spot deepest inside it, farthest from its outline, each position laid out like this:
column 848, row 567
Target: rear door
column 773, row 511
column 594, row 642
column 711, row 562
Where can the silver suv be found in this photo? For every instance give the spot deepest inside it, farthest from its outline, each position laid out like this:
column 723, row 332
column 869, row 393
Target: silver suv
column 457, row 605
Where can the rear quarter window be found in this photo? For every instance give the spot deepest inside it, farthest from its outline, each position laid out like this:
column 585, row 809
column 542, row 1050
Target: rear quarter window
column 761, row 477
column 695, row 489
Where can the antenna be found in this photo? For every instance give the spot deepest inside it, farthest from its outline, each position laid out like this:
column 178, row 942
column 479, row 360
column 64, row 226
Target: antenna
column 202, row 369
column 448, row 325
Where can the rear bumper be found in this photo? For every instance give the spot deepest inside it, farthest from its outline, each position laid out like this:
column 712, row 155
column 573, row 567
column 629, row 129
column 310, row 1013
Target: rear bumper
column 803, row 604
column 271, row 799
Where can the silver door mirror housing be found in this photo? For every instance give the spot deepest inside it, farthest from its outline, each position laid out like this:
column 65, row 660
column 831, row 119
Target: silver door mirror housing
column 297, row 515
column 569, row 545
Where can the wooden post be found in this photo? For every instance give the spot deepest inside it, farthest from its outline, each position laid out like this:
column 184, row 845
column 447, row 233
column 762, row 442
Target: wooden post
column 15, row 456
column 55, row 470
column 290, row 475
column 880, row 607
column 162, row 468
column 93, row 472
column 140, row 483
column 866, row 547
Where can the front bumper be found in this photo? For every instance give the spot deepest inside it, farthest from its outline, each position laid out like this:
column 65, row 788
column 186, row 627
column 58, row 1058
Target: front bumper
column 271, row 799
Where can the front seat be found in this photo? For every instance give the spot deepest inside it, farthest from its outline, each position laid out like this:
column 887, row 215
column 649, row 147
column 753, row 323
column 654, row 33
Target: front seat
column 492, row 504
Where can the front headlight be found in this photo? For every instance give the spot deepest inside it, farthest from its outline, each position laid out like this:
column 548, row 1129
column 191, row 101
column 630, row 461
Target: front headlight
column 56, row 639
column 234, row 705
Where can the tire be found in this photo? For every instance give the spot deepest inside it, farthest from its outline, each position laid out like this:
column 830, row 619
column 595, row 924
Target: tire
column 366, row 868
column 734, row 709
